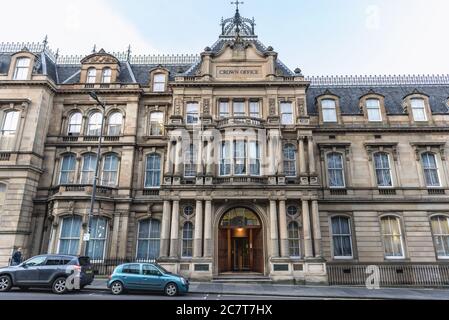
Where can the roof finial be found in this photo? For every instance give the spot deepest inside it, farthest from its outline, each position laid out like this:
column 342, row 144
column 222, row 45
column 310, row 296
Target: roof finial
column 94, row 50
column 45, row 43
column 237, row 3
column 128, row 54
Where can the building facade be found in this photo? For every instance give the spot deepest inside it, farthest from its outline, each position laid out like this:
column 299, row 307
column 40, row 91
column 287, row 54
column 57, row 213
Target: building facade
column 225, row 162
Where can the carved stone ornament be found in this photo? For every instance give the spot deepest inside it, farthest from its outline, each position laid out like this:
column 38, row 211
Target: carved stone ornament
column 206, row 107
column 178, row 106
column 301, row 107
column 272, row 107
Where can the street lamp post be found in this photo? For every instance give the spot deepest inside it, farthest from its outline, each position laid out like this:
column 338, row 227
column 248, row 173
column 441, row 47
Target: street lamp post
column 97, row 167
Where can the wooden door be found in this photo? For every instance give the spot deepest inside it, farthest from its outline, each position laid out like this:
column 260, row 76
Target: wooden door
column 223, row 252
column 257, row 255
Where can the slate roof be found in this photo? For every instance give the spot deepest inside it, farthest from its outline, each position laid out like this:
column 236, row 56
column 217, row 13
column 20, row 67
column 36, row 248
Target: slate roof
column 349, row 97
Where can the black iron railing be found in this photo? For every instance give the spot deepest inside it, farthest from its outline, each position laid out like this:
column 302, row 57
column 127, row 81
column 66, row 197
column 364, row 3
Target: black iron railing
column 390, row 275
column 106, row 267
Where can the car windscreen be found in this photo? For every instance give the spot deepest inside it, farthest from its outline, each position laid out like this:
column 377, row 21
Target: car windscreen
column 162, row 269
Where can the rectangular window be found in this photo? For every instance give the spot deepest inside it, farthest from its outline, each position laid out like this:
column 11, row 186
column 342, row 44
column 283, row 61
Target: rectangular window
column 418, row 110
column 239, row 108
column 329, row 109
column 430, row 166
column 254, row 109
column 96, row 245
column 159, row 82
column 224, row 109
column 341, row 237
column 254, row 158
column 391, row 229
column 70, row 235
column 156, row 123
column 22, row 69
column 192, row 113
column 286, row 113
column 383, row 170
column 440, row 228
column 240, row 157
column 373, row 110
column 225, row 158
column 190, row 162
column 335, row 170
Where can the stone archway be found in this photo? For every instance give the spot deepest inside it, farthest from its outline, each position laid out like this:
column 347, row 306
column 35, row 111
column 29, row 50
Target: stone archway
column 240, row 241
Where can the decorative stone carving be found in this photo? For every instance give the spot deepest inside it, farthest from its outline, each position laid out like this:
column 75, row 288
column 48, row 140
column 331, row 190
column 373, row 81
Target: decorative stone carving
column 272, row 106
column 206, row 107
column 301, row 107
column 178, row 106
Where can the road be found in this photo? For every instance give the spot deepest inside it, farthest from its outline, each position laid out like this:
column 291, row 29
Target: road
column 106, row 295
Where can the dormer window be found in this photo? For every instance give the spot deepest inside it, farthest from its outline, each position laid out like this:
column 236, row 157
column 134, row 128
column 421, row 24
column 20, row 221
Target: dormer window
column 107, row 75
column 373, row 110
column 159, row 82
column 418, row 110
column 329, row 109
column 22, row 69
column 91, row 75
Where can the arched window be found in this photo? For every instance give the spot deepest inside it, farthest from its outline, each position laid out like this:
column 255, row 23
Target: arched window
column 96, row 245
column 88, row 170
column 159, row 82
column 430, row 166
column 293, row 239
column 329, row 110
column 2, row 195
column 290, row 160
column 70, row 235
column 115, row 124
column 91, row 75
column 110, row 170
column 373, row 110
column 335, row 170
column 94, row 125
column 187, row 240
column 342, row 237
column 392, row 237
column 190, row 161
column 22, row 68
column 440, row 229
column 383, row 170
column 153, row 171
column 156, row 123
column 67, row 173
column 148, row 241
column 418, row 109
column 75, row 122
column 10, row 123
column 106, row 76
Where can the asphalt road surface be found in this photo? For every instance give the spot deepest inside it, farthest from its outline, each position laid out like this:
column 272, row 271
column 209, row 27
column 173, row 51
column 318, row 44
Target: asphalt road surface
column 38, row 294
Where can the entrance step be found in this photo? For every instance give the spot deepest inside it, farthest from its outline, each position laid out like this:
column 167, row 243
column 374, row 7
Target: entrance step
column 241, row 278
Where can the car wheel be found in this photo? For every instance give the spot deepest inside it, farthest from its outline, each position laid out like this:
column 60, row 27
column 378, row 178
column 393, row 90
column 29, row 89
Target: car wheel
column 59, row 285
column 116, row 288
column 5, row 283
column 171, row 289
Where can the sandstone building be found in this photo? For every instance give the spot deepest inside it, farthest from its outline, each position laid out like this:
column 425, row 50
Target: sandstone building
column 223, row 162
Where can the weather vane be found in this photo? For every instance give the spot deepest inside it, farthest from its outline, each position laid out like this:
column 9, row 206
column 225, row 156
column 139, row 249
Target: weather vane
column 237, row 2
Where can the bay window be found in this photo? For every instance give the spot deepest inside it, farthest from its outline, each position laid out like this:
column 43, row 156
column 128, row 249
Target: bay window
column 240, row 157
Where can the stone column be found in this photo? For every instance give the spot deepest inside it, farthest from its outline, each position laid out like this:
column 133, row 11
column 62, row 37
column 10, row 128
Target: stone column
column 208, row 229
column 168, row 170
column 174, row 238
column 198, row 239
column 271, row 156
column 123, row 240
column 178, row 159
column 283, row 228
column 274, row 236
column 165, row 229
column 280, row 156
column 113, row 250
column 312, row 166
column 199, row 157
column 209, row 158
column 316, row 228
column 308, row 249
column 302, row 158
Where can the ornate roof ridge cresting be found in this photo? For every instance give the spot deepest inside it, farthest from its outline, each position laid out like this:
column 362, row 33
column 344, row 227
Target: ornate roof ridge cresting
column 377, row 80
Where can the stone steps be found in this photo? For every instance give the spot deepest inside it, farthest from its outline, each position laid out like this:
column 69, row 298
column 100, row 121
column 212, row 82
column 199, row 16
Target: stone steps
column 242, row 278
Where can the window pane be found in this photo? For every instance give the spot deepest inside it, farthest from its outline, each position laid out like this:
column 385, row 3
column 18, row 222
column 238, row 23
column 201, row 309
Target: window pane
column 192, row 113
column 225, row 160
column 254, row 109
column 70, row 235
column 373, row 109
column 239, row 109
column 430, row 170
column 341, row 232
column 159, row 83
column 240, row 157
column 94, row 127
column 329, row 111
column 10, row 122
column 88, row 170
column 115, row 124
column 91, row 75
column 286, row 113
column 75, row 123
column 290, row 160
column 224, row 109
column 383, row 171
column 67, row 175
column 254, row 155
column 22, row 69
column 156, row 123
column 190, row 161
column 335, row 170
column 148, row 241
column 96, row 245
column 187, row 240
column 419, row 110
column 391, row 230
column 153, row 171
column 107, row 74
column 110, row 171
column 293, row 239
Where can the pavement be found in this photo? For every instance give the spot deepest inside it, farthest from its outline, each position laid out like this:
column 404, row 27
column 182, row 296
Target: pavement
column 306, row 292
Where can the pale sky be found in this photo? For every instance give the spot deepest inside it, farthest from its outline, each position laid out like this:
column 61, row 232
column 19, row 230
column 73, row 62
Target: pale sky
column 322, row 37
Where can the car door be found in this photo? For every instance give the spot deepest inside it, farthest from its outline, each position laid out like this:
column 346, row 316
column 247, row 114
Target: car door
column 131, row 275
column 151, row 278
column 49, row 269
column 28, row 272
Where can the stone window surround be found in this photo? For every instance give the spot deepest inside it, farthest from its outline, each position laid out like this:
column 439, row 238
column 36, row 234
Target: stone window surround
column 21, row 106
column 403, row 236
column 339, row 147
column 392, row 150
column 329, row 96
column 374, row 96
column 438, row 149
column 86, row 112
column 350, row 216
column 247, row 101
column 18, row 55
column 292, row 102
column 433, row 215
column 149, row 109
column 407, row 108
column 138, row 218
column 155, row 72
column 143, row 155
column 79, row 163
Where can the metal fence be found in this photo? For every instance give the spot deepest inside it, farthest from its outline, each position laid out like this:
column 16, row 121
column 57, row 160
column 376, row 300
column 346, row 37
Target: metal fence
column 106, row 267
column 390, row 275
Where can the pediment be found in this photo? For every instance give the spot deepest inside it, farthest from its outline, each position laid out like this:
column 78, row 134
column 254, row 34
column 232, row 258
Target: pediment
column 101, row 57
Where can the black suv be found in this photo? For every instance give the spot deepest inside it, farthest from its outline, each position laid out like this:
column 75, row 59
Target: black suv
column 47, row 271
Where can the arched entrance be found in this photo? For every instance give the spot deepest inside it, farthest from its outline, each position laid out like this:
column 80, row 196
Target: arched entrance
column 240, row 242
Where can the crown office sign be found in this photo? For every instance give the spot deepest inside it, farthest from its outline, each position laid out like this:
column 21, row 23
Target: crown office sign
column 239, row 72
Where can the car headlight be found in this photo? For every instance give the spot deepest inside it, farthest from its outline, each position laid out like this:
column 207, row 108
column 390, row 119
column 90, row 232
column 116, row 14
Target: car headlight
column 183, row 281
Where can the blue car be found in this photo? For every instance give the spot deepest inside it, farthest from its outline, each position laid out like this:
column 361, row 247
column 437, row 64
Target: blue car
column 147, row 277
